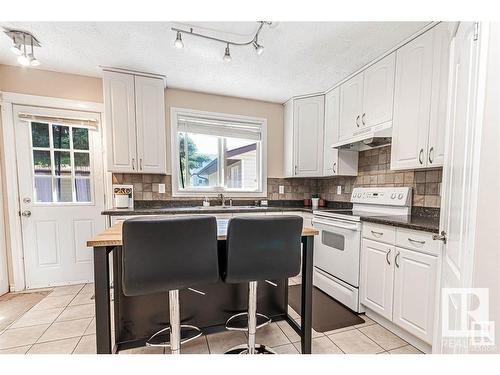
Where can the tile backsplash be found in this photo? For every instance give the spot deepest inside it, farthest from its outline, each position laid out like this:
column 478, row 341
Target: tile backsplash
column 373, row 170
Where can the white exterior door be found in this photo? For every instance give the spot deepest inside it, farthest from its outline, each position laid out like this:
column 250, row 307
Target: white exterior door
column 150, row 124
column 378, row 87
column 4, row 277
column 309, row 117
column 61, row 191
column 415, row 292
column 377, row 277
column 351, row 106
column 457, row 211
column 412, row 101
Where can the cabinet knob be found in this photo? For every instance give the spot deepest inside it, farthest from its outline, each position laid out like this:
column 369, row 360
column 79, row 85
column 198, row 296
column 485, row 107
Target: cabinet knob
column 363, row 118
column 133, row 164
column 140, row 164
column 396, row 259
column 357, row 121
column 333, row 167
column 431, row 155
column 420, row 154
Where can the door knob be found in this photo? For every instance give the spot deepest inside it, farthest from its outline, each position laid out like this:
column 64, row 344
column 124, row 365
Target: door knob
column 440, row 237
column 26, row 213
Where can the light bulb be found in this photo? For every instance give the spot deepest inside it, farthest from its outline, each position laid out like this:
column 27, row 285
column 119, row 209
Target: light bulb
column 33, row 60
column 16, row 49
column 227, row 56
column 178, row 41
column 259, row 49
column 23, row 60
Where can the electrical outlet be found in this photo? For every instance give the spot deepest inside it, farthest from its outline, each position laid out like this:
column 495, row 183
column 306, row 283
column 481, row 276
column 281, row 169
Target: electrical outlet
column 281, row 189
column 339, row 189
column 161, row 188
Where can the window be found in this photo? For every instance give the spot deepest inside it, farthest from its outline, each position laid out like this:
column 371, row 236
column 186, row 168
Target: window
column 61, row 163
column 217, row 153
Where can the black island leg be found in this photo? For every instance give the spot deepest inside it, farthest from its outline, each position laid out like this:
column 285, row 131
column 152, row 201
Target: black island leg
column 306, row 305
column 102, row 302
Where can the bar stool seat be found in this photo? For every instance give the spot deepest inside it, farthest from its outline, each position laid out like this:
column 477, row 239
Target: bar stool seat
column 259, row 249
column 155, row 250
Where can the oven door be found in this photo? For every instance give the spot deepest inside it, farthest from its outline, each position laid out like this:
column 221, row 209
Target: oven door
column 337, row 248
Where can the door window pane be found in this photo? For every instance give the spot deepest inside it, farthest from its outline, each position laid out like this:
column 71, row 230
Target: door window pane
column 82, row 188
column 198, row 160
column 62, row 163
column 82, row 164
column 41, row 162
column 241, row 164
column 40, row 134
column 64, row 191
column 43, row 189
column 60, row 136
column 80, row 138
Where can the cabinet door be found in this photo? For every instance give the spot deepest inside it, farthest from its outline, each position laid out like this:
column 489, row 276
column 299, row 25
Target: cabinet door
column 412, row 100
column 330, row 155
column 377, row 277
column 308, row 135
column 120, row 122
column 288, row 143
column 378, row 88
column 351, row 107
column 414, row 292
column 439, row 101
column 150, row 120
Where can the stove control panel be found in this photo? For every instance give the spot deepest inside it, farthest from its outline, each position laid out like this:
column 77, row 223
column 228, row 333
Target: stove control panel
column 389, row 196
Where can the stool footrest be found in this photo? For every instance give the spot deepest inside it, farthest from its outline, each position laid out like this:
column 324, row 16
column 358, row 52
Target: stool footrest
column 190, row 333
column 239, row 322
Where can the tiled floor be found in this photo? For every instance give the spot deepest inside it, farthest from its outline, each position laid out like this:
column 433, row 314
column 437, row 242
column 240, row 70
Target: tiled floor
column 63, row 322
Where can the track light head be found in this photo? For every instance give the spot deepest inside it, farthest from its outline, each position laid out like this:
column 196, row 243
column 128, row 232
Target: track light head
column 178, row 41
column 23, row 60
column 227, row 55
column 258, row 48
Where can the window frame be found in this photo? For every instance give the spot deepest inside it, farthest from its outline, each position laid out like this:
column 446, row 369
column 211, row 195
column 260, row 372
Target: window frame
column 261, row 191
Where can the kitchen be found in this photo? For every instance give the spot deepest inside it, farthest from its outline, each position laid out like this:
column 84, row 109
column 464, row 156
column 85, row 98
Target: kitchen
column 378, row 174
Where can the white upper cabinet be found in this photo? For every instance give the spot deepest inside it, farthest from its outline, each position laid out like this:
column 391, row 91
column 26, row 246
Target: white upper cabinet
column 119, row 103
column 135, row 123
column 336, row 162
column 420, row 101
column 351, row 107
column 150, row 120
column 308, row 124
column 378, row 92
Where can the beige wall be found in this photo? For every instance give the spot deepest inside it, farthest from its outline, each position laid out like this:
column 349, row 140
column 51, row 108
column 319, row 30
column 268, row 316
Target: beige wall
column 273, row 112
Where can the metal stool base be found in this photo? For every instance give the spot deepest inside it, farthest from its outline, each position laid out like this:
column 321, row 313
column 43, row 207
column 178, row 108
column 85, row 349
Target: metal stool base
column 167, row 343
column 243, row 349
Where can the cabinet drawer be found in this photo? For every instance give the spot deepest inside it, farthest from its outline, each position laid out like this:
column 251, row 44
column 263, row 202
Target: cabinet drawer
column 380, row 233
column 417, row 240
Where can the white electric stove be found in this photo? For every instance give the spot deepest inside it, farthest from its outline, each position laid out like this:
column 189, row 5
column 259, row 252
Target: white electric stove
column 337, row 247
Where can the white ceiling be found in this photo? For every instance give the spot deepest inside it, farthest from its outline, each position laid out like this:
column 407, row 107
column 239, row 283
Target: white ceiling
column 299, row 57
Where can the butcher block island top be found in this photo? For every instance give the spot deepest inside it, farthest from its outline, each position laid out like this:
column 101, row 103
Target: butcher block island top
column 113, row 235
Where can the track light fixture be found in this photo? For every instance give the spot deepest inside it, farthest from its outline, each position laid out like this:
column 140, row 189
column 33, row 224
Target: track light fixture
column 259, row 49
column 20, row 41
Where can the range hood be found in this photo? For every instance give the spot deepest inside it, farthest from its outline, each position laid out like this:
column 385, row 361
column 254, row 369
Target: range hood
column 376, row 136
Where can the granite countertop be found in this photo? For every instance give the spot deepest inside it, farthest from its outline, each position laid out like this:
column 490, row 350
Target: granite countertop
column 417, row 222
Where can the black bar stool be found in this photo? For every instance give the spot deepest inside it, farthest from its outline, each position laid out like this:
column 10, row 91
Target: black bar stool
column 167, row 254
column 259, row 249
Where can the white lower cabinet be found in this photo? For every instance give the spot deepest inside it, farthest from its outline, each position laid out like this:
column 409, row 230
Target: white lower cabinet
column 377, row 277
column 399, row 283
column 414, row 292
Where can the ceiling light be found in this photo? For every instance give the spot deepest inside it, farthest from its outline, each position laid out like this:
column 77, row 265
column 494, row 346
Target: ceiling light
column 178, row 41
column 227, row 55
column 23, row 60
column 258, row 48
column 33, row 60
column 21, row 41
column 16, row 49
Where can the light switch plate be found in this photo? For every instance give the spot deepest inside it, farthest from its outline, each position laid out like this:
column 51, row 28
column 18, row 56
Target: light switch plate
column 339, row 189
column 281, row 189
column 161, row 188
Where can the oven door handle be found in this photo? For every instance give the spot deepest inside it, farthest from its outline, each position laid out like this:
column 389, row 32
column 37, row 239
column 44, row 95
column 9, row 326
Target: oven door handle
column 336, row 224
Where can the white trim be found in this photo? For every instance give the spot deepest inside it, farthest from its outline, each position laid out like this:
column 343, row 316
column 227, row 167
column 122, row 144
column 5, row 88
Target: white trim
column 11, row 200
column 262, row 167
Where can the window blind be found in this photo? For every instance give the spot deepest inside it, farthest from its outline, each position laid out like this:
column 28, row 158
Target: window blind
column 88, row 123
column 219, row 127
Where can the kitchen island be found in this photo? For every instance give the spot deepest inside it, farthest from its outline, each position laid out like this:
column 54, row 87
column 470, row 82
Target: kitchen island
column 137, row 318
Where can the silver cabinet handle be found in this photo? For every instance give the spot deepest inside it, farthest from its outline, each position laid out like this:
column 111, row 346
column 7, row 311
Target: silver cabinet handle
column 440, row 237
column 363, row 118
column 26, row 213
column 420, row 154
column 133, row 164
column 333, row 167
column 357, row 121
column 295, row 170
column 396, row 259
column 387, row 257
column 140, row 164
column 431, row 155
column 377, row 234
column 416, row 241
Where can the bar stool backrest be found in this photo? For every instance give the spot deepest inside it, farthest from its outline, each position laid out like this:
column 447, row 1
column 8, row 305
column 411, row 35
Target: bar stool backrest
column 168, row 253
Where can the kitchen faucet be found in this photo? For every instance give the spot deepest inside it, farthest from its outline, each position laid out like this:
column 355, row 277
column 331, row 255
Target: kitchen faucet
column 223, row 199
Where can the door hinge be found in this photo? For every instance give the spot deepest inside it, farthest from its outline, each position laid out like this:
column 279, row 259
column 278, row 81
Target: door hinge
column 476, row 31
